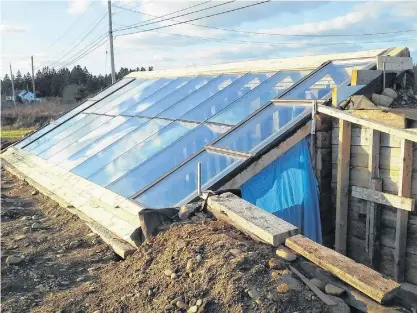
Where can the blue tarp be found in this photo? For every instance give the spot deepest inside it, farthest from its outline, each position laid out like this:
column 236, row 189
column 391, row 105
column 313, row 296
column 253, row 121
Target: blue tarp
column 288, row 189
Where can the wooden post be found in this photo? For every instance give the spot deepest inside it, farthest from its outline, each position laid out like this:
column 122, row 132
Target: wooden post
column 343, row 168
column 373, row 214
column 404, row 190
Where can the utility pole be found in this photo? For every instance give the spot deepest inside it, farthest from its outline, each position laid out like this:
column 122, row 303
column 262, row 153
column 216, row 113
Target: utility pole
column 113, row 73
column 11, row 77
column 33, row 79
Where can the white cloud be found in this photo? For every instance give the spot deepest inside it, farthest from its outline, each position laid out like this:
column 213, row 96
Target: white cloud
column 5, row 28
column 77, row 6
column 406, row 9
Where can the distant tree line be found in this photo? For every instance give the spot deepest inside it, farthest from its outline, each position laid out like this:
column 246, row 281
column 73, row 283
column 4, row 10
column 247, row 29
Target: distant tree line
column 50, row 82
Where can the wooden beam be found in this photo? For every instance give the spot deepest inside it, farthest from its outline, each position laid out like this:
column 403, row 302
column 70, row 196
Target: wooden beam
column 343, row 168
column 323, row 297
column 366, row 280
column 404, row 190
column 390, row 119
column 343, row 115
column 402, row 203
column 250, row 219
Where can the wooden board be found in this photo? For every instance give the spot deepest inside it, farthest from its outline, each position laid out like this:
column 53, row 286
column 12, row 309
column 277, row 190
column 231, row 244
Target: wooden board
column 404, row 190
column 342, row 186
column 389, row 118
column 250, row 219
column 357, row 275
column 384, row 198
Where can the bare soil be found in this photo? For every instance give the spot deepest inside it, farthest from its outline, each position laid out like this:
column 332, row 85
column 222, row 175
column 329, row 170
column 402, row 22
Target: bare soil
column 66, row 268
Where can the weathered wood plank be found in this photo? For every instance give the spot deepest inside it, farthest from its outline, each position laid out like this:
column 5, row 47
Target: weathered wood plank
column 404, row 190
column 342, row 186
column 347, row 117
column 250, row 219
column 398, row 202
column 389, row 118
column 357, row 275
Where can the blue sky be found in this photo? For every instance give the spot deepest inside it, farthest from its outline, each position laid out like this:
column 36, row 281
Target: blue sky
column 56, row 32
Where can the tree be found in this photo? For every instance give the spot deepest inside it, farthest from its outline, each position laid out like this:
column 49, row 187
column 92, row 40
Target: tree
column 6, row 85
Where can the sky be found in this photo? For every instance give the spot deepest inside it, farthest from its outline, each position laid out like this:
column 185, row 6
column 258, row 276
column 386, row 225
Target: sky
column 67, row 33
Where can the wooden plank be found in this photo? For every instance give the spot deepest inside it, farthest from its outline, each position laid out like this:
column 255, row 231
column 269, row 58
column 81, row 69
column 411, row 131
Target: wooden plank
column 343, row 115
column 342, row 186
column 389, row 118
column 404, row 190
column 363, row 278
column 402, row 203
column 250, row 219
column 373, row 225
column 323, row 297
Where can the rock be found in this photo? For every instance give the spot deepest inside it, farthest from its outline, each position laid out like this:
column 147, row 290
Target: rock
column 235, row 252
column 381, row 100
column 74, row 244
column 293, row 283
column 169, row 307
column 283, row 288
column 26, row 218
column 91, row 235
column 193, row 309
column 254, row 294
column 199, row 258
column 14, row 259
column 286, row 254
column 81, row 278
column 36, row 226
column 187, row 209
column 181, row 305
column 199, row 302
column 151, row 293
column 318, row 283
column 42, row 288
column 308, row 268
column 340, row 307
column 96, row 241
column 333, row 290
column 192, row 302
column 174, row 276
column 35, row 192
column 20, row 237
column 168, row 272
column 390, row 93
column 175, row 300
column 190, row 265
column 275, row 264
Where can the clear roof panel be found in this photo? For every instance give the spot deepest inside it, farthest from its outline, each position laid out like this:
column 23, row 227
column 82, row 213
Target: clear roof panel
column 264, row 125
column 161, row 163
column 201, row 95
column 111, row 88
column 186, row 90
column 59, row 133
column 81, row 132
column 99, row 160
column 139, row 107
column 101, row 143
column 225, row 97
column 141, row 152
column 87, row 139
column 181, row 183
column 35, row 135
column 260, row 96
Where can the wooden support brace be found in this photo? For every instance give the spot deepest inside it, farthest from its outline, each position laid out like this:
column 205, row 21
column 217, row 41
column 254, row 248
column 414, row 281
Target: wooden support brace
column 373, row 216
column 404, row 190
column 343, row 167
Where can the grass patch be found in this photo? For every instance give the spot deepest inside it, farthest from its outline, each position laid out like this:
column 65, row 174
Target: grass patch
column 15, row 134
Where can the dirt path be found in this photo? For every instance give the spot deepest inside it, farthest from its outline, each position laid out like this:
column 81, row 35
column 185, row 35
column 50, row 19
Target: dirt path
column 200, row 266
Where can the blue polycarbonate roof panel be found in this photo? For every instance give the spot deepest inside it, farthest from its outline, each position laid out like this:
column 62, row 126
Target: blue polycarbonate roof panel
column 101, row 159
column 147, row 172
column 141, row 152
column 103, row 142
column 201, row 95
column 260, row 96
column 178, row 185
column 262, row 126
column 112, row 88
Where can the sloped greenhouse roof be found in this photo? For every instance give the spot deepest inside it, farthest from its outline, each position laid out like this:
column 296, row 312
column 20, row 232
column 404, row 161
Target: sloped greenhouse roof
column 143, row 136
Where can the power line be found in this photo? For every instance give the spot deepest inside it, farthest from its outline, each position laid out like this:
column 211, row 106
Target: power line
column 167, row 19
column 253, row 32
column 195, row 19
column 56, row 63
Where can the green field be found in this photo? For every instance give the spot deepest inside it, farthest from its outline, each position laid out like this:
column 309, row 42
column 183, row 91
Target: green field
column 14, row 134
